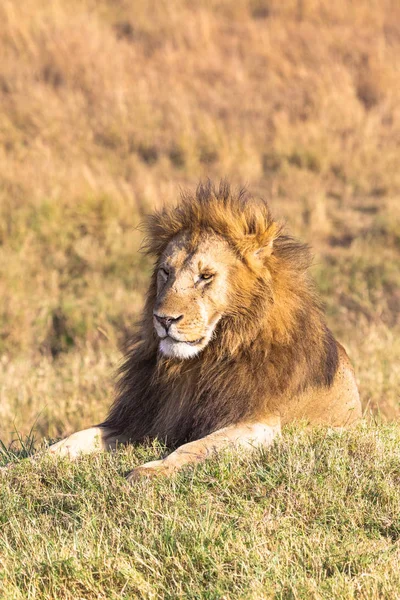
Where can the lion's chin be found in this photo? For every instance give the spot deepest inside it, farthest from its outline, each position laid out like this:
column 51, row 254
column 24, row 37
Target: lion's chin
column 183, row 350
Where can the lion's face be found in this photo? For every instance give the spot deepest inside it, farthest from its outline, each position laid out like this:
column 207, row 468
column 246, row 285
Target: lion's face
column 192, row 293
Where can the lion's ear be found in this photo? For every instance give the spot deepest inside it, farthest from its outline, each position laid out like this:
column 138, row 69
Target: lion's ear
column 266, row 242
column 265, row 251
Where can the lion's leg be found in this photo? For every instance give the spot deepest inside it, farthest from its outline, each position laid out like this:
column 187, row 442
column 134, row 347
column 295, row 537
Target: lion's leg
column 86, row 441
column 243, row 435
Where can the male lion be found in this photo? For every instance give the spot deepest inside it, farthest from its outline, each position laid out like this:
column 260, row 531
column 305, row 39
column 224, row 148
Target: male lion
column 232, row 344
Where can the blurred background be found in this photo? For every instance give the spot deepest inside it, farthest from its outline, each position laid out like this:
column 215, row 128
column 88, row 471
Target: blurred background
column 108, row 107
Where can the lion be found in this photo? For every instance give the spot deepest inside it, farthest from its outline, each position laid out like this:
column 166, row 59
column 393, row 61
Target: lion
column 233, row 344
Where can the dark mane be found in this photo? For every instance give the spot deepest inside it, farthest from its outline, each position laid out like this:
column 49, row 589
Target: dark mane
column 272, row 344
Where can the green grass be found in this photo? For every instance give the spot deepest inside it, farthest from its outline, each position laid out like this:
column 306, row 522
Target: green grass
column 316, row 516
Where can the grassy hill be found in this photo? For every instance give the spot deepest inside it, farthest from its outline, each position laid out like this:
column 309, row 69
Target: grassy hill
column 315, row 517
column 107, row 108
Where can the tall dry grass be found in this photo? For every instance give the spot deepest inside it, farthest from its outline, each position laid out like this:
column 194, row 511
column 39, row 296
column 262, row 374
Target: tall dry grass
column 106, row 108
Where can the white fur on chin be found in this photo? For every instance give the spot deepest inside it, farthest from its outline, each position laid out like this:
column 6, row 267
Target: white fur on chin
column 182, row 350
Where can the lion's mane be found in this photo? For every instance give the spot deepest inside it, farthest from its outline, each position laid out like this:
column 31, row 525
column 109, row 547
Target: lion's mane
column 272, row 344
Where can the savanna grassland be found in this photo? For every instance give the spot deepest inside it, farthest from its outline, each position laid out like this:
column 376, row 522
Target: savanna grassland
column 107, row 108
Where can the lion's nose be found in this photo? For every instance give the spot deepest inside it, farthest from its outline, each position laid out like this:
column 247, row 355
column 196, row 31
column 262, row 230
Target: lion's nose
column 167, row 321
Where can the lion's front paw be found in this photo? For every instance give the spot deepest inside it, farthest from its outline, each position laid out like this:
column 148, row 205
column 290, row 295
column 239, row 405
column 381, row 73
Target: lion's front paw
column 82, row 442
column 154, row 468
column 63, row 448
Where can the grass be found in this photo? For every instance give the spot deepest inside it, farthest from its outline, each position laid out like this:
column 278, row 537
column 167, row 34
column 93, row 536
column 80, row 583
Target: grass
column 316, row 516
column 106, row 109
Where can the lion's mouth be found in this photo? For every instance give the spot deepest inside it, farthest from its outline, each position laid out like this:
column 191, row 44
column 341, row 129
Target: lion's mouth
column 193, row 343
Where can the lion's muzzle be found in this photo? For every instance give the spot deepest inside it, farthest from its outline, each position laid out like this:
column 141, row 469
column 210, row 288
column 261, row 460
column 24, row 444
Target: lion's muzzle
column 179, row 339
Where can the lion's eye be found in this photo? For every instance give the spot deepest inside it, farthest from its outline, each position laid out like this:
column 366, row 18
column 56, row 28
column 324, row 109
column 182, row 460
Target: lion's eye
column 206, row 276
column 164, row 272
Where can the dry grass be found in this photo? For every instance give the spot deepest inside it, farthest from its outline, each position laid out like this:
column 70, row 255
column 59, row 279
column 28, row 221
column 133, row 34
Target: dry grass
column 108, row 107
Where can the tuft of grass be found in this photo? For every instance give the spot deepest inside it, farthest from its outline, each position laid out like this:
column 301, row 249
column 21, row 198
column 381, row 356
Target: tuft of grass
column 315, row 516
